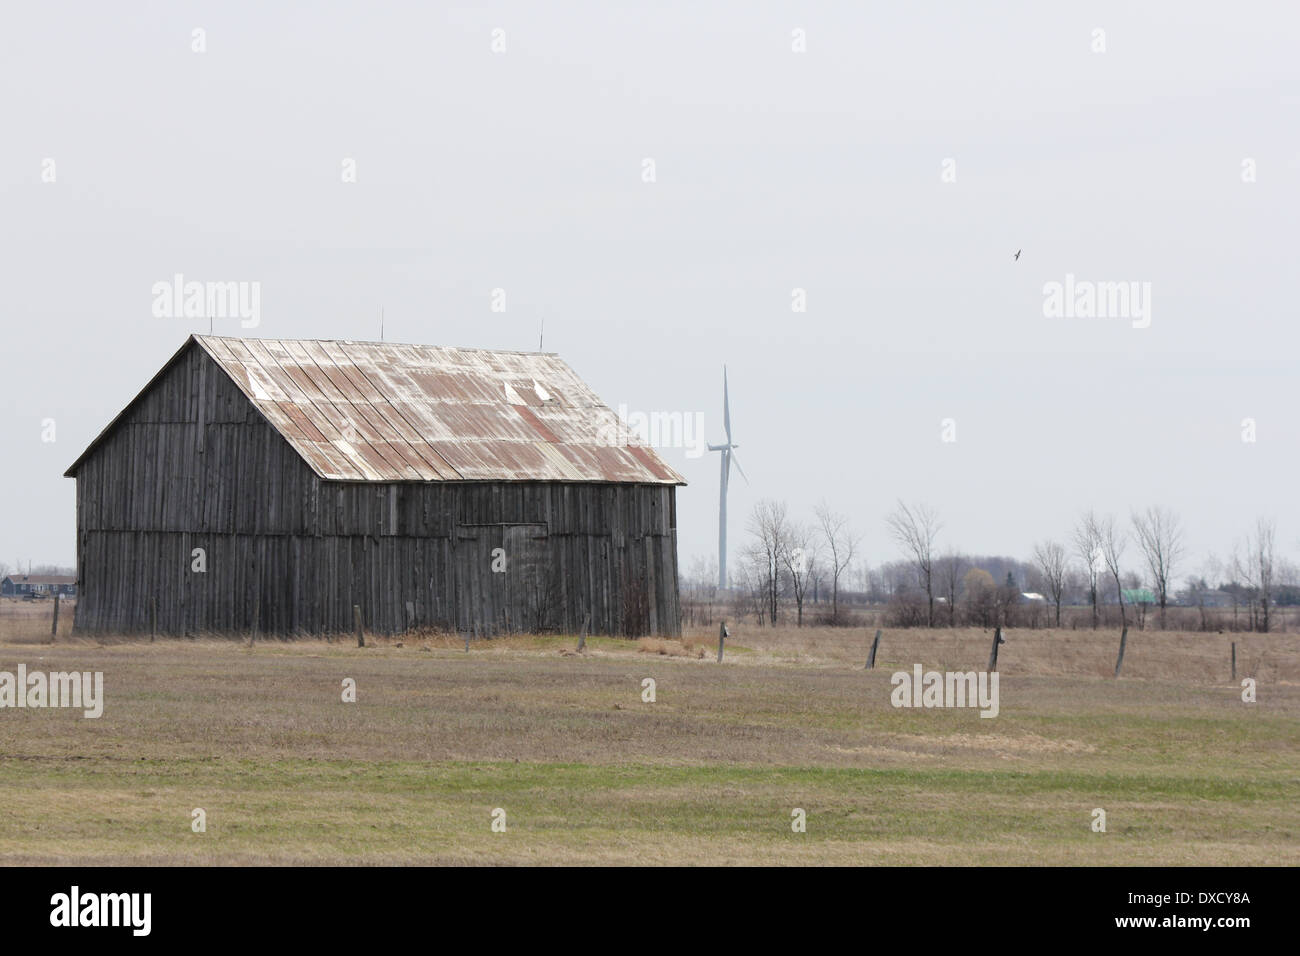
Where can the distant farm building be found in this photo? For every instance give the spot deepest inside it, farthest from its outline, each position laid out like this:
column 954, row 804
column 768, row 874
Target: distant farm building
column 272, row 485
column 21, row 585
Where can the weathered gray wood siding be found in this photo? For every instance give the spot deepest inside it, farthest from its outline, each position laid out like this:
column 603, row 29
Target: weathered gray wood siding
column 193, row 465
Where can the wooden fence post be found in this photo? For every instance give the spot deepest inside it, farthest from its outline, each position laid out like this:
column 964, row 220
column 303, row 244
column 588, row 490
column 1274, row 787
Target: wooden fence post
column 722, row 636
column 153, row 618
column 356, row 620
column 1123, row 640
column 871, row 661
column 993, row 654
column 257, row 616
column 582, row 638
column 54, row 627
column 1234, row 660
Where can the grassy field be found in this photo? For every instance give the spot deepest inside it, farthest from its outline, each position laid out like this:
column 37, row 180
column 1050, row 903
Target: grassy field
column 709, row 773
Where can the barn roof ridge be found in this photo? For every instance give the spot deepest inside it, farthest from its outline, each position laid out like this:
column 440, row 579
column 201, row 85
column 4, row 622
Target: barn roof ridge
column 389, row 412
column 383, row 342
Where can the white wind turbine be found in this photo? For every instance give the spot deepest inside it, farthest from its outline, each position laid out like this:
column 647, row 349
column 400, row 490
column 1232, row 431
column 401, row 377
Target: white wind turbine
column 728, row 455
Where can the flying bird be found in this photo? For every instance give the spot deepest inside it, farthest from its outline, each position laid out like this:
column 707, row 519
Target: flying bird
column 1017, row 255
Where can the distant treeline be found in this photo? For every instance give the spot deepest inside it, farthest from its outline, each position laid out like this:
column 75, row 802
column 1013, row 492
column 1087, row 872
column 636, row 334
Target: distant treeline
column 1103, row 572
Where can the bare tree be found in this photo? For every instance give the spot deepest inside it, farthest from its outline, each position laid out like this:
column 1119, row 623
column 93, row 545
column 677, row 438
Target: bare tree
column 1210, row 579
column 950, row 568
column 915, row 529
column 1007, row 598
column 842, row 544
column 1052, row 562
column 771, row 530
column 799, row 560
column 1288, row 573
column 1159, row 534
column 1113, row 542
column 1237, row 570
column 750, row 595
column 1259, row 568
column 981, row 596
column 1087, row 545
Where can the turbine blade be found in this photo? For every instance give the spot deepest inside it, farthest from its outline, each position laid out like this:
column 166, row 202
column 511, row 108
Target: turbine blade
column 726, row 406
column 732, row 457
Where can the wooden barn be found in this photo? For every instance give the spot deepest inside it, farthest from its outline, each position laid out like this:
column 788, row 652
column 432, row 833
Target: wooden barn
column 271, row 485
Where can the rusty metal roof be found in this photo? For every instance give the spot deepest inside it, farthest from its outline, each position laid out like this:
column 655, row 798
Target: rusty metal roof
column 379, row 411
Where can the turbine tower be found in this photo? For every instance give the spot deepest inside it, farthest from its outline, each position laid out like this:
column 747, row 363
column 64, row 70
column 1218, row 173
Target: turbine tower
column 728, row 455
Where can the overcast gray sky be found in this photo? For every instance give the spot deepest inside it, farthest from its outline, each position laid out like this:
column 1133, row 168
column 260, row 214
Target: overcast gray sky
column 774, row 170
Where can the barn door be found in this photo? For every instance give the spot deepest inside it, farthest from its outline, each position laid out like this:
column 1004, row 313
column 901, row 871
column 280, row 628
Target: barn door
column 503, row 583
column 532, row 583
column 480, row 592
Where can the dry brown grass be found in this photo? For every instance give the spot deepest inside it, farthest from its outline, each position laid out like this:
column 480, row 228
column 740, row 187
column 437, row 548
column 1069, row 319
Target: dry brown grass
column 589, row 773
column 1157, row 655
column 28, row 622
column 1154, row 655
column 663, row 647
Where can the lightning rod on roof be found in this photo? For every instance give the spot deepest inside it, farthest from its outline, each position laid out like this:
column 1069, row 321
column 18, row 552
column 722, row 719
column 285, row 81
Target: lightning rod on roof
column 541, row 332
